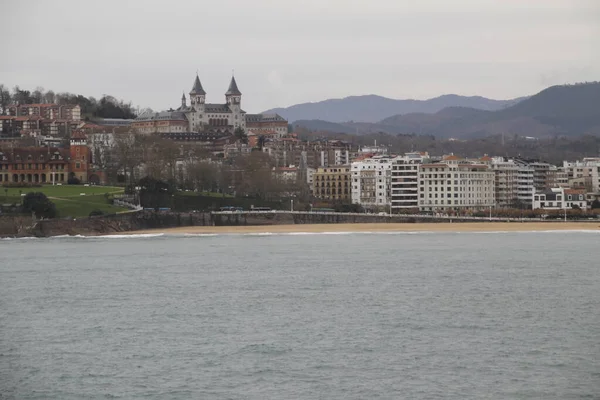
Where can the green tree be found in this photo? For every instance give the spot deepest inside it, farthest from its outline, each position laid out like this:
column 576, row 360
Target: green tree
column 39, row 204
column 240, row 135
column 595, row 204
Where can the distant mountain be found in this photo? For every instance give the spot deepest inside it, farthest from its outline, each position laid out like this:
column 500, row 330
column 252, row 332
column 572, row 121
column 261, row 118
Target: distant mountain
column 566, row 110
column 372, row 108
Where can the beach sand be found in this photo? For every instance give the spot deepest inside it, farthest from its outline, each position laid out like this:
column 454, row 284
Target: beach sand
column 384, row 227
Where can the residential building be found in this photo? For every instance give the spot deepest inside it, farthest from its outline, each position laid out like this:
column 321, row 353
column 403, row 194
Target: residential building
column 371, row 179
column 455, row 185
column 513, row 182
column 332, row 183
column 405, row 181
column 584, row 174
column 559, row 198
column 70, row 112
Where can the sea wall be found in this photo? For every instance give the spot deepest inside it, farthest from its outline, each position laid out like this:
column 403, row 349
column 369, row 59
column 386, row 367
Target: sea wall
column 17, row 226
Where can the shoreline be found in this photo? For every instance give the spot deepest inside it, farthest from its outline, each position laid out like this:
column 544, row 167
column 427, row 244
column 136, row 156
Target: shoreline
column 379, row 227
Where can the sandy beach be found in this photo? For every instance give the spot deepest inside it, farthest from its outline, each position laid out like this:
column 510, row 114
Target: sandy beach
column 385, row 227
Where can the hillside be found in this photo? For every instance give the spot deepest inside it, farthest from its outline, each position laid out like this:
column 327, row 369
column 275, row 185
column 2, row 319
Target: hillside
column 567, row 110
column 371, row 108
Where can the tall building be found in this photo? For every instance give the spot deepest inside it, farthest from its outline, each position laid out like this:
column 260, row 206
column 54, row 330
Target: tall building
column 371, row 179
column 454, row 185
column 405, row 181
column 514, row 182
column 80, row 156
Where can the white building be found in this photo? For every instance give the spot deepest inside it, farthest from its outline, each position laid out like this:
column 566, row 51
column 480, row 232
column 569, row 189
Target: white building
column 514, row 182
column 452, row 185
column 404, row 187
column 559, row 199
column 202, row 115
column 371, row 179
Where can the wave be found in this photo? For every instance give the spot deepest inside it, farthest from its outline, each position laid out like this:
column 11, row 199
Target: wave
column 126, row 236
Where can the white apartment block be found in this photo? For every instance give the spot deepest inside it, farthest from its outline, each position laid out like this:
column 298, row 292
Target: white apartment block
column 405, row 181
column 454, row 186
column 371, row 181
column 513, row 182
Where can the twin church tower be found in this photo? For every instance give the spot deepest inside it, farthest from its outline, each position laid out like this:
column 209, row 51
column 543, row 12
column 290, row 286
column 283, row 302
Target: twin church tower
column 202, row 115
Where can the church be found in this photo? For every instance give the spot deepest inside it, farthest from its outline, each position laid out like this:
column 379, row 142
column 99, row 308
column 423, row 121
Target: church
column 203, row 116
column 213, row 119
column 199, row 116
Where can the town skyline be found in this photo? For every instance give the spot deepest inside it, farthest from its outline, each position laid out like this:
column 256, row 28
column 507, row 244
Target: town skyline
column 399, row 51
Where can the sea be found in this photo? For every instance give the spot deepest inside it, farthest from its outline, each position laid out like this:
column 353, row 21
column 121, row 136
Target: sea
column 498, row 315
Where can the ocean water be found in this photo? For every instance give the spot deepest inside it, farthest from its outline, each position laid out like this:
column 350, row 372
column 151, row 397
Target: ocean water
column 302, row 316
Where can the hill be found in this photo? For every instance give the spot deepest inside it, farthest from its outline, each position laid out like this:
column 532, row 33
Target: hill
column 372, row 108
column 567, row 110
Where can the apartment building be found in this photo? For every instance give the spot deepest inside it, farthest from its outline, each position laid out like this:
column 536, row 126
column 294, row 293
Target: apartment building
column 455, row 185
column 70, row 112
column 404, row 185
column 371, row 180
column 513, row 182
column 559, row 198
column 332, row 183
column 583, row 174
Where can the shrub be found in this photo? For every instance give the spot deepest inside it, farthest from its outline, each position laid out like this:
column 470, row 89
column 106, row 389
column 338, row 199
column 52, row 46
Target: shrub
column 73, row 181
column 39, row 204
column 96, row 213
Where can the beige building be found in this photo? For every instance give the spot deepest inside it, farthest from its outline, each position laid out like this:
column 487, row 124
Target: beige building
column 332, row 183
column 455, row 185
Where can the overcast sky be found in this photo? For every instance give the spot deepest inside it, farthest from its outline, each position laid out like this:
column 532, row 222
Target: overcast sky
column 286, row 52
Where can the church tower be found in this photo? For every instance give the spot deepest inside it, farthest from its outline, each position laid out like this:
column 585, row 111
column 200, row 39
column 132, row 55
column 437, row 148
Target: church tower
column 197, row 95
column 183, row 101
column 233, row 96
column 197, row 103
column 80, row 155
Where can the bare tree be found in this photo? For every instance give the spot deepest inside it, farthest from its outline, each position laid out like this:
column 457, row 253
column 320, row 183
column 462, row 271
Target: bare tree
column 5, row 99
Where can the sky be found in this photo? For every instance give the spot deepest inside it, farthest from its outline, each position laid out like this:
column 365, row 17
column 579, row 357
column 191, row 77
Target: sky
column 285, row 52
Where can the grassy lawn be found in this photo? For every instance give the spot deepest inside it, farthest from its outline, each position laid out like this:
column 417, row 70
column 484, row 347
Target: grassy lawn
column 68, row 199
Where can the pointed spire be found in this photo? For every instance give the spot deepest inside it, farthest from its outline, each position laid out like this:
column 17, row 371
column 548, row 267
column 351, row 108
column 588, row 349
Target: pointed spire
column 197, row 89
column 233, row 89
column 183, row 100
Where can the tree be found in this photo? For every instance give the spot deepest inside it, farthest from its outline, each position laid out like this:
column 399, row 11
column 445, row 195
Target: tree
column 39, row 204
column 5, row 98
column 595, row 204
column 21, row 96
column 240, row 135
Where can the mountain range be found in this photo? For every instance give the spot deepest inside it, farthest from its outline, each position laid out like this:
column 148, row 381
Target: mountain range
column 565, row 110
column 372, row 108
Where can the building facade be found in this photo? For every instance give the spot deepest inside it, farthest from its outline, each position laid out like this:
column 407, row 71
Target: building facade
column 371, row 179
column 161, row 122
column 559, row 198
column 455, row 186
column 332, row 183
column 405, row 181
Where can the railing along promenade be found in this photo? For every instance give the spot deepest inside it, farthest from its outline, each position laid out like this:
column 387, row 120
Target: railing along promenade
column 398, row 217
